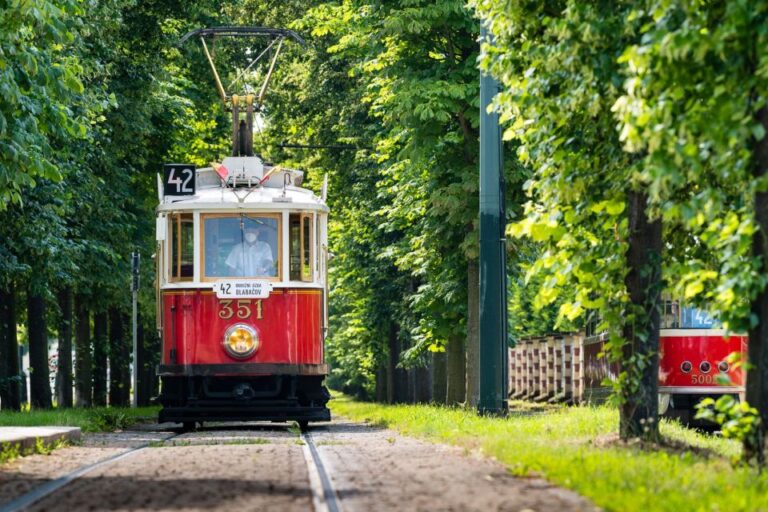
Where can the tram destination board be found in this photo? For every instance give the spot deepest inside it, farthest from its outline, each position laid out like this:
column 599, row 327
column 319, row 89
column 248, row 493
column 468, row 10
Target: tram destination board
column 179, row 179
column 245, row 289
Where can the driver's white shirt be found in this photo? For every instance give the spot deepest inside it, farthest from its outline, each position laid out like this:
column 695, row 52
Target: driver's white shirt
column 251, row 260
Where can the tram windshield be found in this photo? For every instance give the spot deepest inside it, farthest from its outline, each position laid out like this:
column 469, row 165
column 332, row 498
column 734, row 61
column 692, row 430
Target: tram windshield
column 241, row 246
column 676, row 316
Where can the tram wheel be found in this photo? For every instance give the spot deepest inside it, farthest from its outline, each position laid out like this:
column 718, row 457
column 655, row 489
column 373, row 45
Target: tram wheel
column 303, row 425
column 188, row 426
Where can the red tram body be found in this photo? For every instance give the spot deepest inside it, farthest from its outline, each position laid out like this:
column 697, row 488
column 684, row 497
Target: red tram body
column 694, row 361
column 242, row 297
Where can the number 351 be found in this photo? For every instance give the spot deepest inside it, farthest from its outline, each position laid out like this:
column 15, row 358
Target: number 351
column 242, row 309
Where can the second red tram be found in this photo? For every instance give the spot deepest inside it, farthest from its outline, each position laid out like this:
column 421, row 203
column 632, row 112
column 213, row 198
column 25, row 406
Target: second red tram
column 242, row 298
column 694, row 361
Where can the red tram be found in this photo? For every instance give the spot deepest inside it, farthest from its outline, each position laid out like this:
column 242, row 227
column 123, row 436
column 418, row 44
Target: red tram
column 241, row 279
column 242, row 298
column 693, row 361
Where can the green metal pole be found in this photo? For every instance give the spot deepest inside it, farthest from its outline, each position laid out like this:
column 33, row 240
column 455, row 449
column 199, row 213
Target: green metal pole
column 493, row 293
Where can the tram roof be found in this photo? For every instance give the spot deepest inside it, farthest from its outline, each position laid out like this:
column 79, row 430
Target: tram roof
column 211, row 197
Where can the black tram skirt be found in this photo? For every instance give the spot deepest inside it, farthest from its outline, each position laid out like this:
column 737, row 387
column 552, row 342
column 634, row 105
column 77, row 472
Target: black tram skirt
column 237, row 397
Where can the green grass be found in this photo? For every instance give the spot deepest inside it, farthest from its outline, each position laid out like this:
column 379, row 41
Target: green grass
column 576, row 447
column 96, row 419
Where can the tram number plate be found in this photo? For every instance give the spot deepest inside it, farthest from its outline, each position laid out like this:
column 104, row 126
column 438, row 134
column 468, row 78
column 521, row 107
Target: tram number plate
column 242, row 289
column 179, row 179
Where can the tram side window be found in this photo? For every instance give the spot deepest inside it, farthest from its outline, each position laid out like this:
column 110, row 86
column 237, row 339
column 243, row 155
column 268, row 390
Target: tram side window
column 300, row 247
column 182, row 247
column 670, row 318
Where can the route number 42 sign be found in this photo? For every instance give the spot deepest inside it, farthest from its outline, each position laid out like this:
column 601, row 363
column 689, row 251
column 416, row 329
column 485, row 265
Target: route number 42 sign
column 179, row 179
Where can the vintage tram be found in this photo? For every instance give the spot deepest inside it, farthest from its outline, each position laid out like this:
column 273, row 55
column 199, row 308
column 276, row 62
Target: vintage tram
column 241, row 278
column 694, row 354
column 242, row 297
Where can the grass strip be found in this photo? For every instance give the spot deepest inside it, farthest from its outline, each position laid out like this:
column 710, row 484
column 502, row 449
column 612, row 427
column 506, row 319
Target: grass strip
column 577, row 448
column 94, row 419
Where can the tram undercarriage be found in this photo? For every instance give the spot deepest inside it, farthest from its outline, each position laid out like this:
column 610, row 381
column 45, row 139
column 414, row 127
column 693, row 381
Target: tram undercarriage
column 188, row 399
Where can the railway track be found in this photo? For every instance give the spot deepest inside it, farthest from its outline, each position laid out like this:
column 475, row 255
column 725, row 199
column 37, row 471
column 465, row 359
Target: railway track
column 38, row 493
column 324, row 497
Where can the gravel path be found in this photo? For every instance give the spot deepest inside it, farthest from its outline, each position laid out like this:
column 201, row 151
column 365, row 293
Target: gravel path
column 377, row 469
column 250, row 467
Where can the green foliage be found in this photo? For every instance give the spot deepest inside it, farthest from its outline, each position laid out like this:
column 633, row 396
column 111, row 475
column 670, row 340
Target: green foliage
column 737, row 420
column 39, row 79
column 108, row 420
column 576, row 448
column 694, row 83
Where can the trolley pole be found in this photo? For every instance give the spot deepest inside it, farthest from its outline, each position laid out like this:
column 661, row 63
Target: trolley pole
column 135, row 261
column 493, row 290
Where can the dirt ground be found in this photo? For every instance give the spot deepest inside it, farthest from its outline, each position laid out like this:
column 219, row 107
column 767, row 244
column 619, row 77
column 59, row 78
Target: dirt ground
column 250, row 466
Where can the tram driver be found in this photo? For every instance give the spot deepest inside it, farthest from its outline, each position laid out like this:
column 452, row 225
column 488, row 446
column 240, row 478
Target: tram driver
column 252, row 257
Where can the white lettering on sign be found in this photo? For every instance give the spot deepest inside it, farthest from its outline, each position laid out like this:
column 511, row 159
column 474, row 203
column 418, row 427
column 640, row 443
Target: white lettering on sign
column 242, row 289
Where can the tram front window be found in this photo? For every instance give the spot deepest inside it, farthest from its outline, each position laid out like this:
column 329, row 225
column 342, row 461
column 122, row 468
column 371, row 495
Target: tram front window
column 241, row 246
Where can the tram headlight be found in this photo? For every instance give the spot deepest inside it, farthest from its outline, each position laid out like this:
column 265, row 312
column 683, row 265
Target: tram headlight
column 723, row 366
column 241, row 341
column 705, row 367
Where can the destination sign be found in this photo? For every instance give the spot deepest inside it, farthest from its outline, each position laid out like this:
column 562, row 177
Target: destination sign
column 245, row 289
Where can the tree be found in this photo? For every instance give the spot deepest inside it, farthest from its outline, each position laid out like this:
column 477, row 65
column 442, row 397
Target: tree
column 589, row 205
column 694, row 109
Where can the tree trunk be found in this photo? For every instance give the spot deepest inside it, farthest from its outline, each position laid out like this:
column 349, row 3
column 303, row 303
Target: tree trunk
column 423, row 390
column 381, row 383
column 639, row 413
column 397, row 389
column 473, row 334
column 757, row 371
column 100, row 342
column 64, row 375
column 10, row 386
column 455, row 367
column 83, row 355
column 39, row 370
column 119, row 391
column 439, row 379
column 145, row 365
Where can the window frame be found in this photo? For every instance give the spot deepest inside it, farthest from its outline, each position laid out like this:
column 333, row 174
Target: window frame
column 202, row 248
column 175, row 224
column 309, row 245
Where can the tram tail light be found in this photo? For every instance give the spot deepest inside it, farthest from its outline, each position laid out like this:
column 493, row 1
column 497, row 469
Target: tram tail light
column 686, row 367
column 241, row 341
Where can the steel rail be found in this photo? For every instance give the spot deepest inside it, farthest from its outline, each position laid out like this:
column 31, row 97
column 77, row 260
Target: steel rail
column 324, row 496
column 38, row 493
